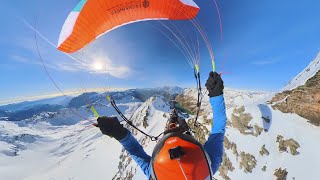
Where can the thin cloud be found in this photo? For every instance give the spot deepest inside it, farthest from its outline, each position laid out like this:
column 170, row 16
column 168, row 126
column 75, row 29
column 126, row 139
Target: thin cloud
column 83, row 65
column 20, row 59
column 72, row 67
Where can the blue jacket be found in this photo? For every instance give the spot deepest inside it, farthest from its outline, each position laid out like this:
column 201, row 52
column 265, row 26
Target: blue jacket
column 213, row 146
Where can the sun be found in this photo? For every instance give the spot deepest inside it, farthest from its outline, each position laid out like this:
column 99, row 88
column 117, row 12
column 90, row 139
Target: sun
column 98, row 66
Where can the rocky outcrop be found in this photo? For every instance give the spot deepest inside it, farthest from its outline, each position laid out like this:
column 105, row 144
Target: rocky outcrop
column 145, row 119
column 123, row 172
column 304, row 100
column 207, row 120
column 201, row 132
column 248, row 162
column 280, row 174
column 240, row 120
column 285, row 144
column 231, row 145
column 225, row 167
column 264, row 151
column 257, row 130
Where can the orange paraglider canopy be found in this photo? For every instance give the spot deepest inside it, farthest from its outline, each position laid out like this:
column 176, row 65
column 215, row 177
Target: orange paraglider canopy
column 92, row 18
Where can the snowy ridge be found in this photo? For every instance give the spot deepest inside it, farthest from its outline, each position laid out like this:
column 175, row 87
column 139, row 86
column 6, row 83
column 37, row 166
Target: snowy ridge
column 150, row 117
column 60, row 100
column 59, row 145
column 286, row 125
column 62, row 146
column 233, row 97
column 306, row 74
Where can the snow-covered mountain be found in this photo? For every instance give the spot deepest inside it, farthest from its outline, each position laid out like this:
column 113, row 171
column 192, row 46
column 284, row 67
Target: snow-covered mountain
column 64, row 145
column 60, row 145
column 28, row 109
column 150, row 117
column 60, row 100
column 303, row 96
column 260, row 142
column 306, row 74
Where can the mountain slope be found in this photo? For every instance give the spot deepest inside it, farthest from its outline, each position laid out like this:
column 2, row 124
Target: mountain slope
column 304, row 98
column 59, row 145
column 260, row 142
column 306, row 74
column 267, row 146
column 62, row 145
column 150, row 117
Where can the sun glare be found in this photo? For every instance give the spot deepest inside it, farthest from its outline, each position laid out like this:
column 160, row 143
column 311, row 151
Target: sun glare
column 98, row 66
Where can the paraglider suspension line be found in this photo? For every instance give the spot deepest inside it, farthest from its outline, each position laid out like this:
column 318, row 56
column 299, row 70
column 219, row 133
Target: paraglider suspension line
column 155, row 138
column 114, row 105
column 47, row 72
column 199, row 98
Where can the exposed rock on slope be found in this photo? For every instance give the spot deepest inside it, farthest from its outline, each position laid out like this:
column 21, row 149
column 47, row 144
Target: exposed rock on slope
column 231, row 145
column 225, row 167
column 284, row 144
column 64, row 143
column 201, row 132
column 248, row 162
column 241, row 121
column 264, row 151
column 304, row 100
column 306, row 74
column 281, row 174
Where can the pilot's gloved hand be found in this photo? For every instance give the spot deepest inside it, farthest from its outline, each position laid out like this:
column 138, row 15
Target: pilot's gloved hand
column 214, row 84
column 111, row 126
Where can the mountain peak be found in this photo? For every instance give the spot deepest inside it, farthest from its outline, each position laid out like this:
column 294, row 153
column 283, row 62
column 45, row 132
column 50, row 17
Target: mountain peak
column 306, row 74
column 302, row 95
column 155, row 104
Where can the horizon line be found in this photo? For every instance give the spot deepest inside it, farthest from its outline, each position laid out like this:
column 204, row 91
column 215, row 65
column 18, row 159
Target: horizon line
column 53, row 95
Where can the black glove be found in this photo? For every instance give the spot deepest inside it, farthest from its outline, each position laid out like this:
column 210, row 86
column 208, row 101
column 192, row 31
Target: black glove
column 111, row 126
column 214, row 84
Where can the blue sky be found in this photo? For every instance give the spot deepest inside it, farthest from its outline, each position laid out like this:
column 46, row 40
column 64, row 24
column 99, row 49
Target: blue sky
column 265, row 44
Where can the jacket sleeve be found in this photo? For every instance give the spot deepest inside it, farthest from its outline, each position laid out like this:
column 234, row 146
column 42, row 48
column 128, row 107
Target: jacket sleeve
column 136, row 152
column 214, row 145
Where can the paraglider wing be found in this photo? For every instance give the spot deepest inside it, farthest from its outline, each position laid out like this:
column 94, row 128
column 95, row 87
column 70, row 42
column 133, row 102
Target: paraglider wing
column 90, row 19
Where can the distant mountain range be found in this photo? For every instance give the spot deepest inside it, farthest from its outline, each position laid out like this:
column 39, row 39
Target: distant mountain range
column 25, row 110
